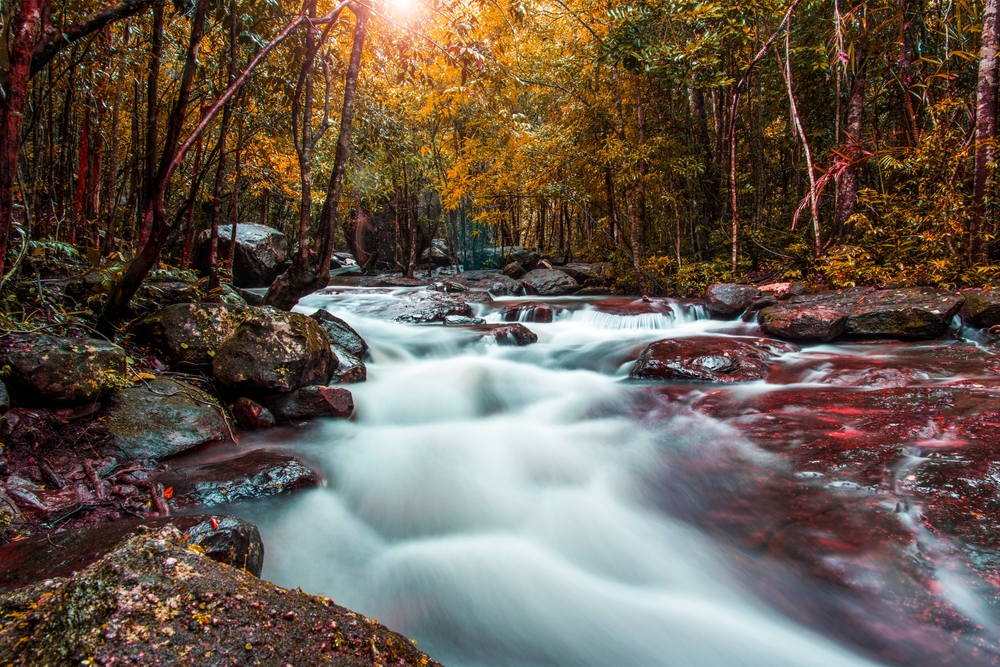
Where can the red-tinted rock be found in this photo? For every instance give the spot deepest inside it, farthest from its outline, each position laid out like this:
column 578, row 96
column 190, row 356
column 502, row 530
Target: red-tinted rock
column 802, row 323
column 349, row 369
column 708, row 358
column 527, row 312
column 251, row 415
column 508, row 334
column 225, row 539
column 311, row 402
column 258, row 474
column 629, row 308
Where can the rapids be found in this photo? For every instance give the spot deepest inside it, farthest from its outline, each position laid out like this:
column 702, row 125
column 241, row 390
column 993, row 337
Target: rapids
column 532, row 506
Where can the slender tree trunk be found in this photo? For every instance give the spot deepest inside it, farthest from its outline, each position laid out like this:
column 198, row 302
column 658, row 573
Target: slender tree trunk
column 847, row 185
column 235, row 198
column 152, row 130
column 80, row 198
column 986, row 126
column 189, row 214
column 110, row 204
column 306, row 277
column 23, row 33
column 220, row 177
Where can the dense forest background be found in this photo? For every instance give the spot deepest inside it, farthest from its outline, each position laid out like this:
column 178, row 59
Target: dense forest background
column 684, row 142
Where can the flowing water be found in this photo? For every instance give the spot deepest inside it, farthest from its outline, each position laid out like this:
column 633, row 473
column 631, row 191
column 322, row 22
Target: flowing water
column 532, row 506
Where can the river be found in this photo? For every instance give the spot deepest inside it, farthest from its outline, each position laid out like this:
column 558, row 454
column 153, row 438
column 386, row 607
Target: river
column 532, row 506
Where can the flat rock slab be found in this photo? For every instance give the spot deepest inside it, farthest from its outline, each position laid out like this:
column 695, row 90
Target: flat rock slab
column 49, row 369
column 910, row 313
column 257, row 474
column 162, row 418
column 310, row 403
column 225, row 539
column 425, row 307
column 707, row 358
column 187, row 335
column 154, row 597
column 802, row 322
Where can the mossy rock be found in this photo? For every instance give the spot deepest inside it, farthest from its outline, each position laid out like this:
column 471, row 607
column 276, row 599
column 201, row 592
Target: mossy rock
column 40, row 369
column 187, row 335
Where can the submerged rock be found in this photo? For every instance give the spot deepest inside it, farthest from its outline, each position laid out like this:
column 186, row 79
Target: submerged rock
column 461, row 321
column 259, row 257
column 274, row 351
column 729, row 299
column 257, row 474
column 187, row 335
column 225, row 539
column 549, row 282
column 817, row 323
column 311, row 402
column 708, row 358
column 161, row 418
column 527, row 312
column 155, row 597
column 509, row 334
column 47, row 369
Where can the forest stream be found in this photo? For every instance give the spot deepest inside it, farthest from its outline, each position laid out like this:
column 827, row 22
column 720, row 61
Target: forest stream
column 533, row 505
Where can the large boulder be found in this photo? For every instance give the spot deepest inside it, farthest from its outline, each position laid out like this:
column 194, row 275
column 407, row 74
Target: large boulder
column 496, row 258
column 259, row 258
column 707, row 358
column 161, row 418
column 802, row 323
column 225, row 539
column 257, row 474
column 911, row 313
column 341, row 333
column 274, row 351
column 981, row 308
column 437, row 253
column 588, row 274
column 156, row 600
column 549, row 282
column 490, row 280
column 187, row 335
column 310, row 403
column 46, row 369
column 729, row 299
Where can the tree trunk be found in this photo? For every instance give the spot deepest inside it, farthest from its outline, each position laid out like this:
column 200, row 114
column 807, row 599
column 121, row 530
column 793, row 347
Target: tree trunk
column 189, row 213
column 235, row 198
column 110, row 203
column 304, row 277
column 986, row 126
column 23, row 32
column 847, row 185
column 152, row 132
column 220, row 177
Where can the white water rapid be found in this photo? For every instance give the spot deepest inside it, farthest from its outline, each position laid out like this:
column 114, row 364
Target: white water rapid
column 491, row 503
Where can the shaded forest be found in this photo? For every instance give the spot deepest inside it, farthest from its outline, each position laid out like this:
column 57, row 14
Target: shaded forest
column 840, row 142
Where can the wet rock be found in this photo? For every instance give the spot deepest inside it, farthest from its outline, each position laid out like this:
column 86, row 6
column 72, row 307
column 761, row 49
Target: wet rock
column 257, row 474
column 187, row 335
column 46, row 505
column 708, row 358
column 47, row 369
column 509, row 334
column 161, row 418
column 425, row 307
column 766, row 301
column 168, row 292
column 549, row 282
column 915, row 312
column 461, row 321
column 437, row 254
column 490, row 280
column 393, row 281
column 4, row 399
column 311, row 402
column 259, row 257
column 729, row 299
column 527, row 312
column 274, row 351
column 588, row 274
column 154, row 597
column 495, row 258
column 341, row 333
column 449, row 286
column 797, row 323
column 252, row 297
column 981, row 308
column 514, row 271
column 251, row 415
column 348, row 367
column 232, row 541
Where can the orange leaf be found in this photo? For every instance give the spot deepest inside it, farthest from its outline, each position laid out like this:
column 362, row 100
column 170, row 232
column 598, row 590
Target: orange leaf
column 168, row 493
